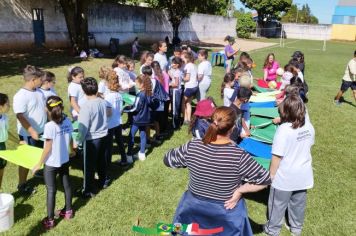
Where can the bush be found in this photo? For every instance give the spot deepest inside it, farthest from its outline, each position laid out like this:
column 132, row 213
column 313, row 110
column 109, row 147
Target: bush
column 245, row 25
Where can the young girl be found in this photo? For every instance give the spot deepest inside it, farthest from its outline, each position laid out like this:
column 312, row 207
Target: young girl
column 131, row 69
column 191, row 85
column 160, row 50
column 229, row 52
column 120, row 67
column 227, row 89
column 55, row 157
column 114, row 98
column 176, row 76
column 102, row 86
column 204, row 73
column 202, row 118
column 141, row 115
column 270, row 68
column 134, row 47
column 48, row 82
column 146, row 60
column 4, row 127
column 75, row 91
column 291, row 167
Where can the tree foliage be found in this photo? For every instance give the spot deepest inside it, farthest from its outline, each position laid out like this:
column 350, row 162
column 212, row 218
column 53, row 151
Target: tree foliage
column 245, row 24
column 299, row 16
column 268, row 9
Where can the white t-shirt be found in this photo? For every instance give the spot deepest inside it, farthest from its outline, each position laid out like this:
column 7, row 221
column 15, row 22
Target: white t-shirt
column 102, row 88
column 4, row 127
column 205, row 69
column 176, row 73
column 124, row 79
column 115, row 101
column 191, row 69
column 60, row 136
column 294, row 147
column 228, row 92
column 162, row 60
column 32, row 104
column 75, row 90
column 350, row 71
column 48, row 92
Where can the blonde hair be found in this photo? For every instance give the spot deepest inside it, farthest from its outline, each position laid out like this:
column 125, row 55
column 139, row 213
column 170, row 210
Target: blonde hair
column 113, row 81
column 103, row 72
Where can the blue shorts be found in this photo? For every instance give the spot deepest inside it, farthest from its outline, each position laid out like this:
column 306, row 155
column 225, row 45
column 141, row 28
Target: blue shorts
column 191, row 92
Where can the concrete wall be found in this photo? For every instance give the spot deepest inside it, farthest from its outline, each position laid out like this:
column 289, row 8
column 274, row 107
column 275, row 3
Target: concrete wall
column 306, row 31
column 105, row 21
column 344, row 32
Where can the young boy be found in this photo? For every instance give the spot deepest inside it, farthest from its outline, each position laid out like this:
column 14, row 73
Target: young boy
column 48, row 82
column 291, row 167
column 93, row 132
column 204, row 74
column 29, row 107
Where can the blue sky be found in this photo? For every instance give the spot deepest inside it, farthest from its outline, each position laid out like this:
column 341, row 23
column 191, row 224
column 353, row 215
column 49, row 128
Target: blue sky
column 322, row 9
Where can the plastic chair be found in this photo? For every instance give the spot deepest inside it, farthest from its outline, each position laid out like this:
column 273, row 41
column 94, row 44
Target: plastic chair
column 215, row 56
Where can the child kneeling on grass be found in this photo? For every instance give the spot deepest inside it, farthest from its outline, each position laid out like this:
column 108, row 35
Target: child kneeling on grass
column 291, row 167
column 55, row 157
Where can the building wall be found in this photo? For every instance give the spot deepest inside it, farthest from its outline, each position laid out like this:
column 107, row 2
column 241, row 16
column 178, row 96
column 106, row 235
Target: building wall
column 307, row 31
column 344, row 32
column 105, row 21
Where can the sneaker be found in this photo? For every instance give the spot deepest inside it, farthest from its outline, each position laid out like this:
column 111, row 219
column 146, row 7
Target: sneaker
column 107, row 183
column 26, row 189
column 47, row 223
column 64, row 214
column 129, row 159
column 81, row 193
column 141, row 156
column 337, row 102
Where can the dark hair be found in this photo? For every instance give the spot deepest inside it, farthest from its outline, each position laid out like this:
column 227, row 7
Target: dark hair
column 74, row 72
column 355, row 53
column 292, row 110
column 147, row 70
column 177, row 49
column 31, row 72
column 146, row 84
column 296, row 81
column 189, row 56
column 113, row 81
column 291, row 68
column 156, row 46
column 3, row 99
column 157, row 71
column 48, row 77
column 244, row 55
column 229, row 77
column 244, row 93
column 55, row 108
column 177, row 60
column 89, row 86
column 294, row 62
column 184, row 48
column 119, row 59
column 299, row 56
column 267, row 64
column 223, row 120
column 204, row 53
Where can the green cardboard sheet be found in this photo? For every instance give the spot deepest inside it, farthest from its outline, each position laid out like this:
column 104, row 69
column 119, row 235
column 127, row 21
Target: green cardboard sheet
column 75, row 125
column 128, row 98
column 265, row 134
column 264, row 112
column 256, row 98
column 24, row 155
column 263, row 162
column 260, row 122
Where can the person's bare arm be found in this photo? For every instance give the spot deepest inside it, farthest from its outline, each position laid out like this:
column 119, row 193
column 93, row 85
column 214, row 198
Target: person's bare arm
column 74, row 104
column 24, row 122
column 274, row 165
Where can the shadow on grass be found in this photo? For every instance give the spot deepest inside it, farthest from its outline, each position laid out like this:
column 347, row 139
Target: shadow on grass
column 348, row 103
column 260, row 197
column 256, row 228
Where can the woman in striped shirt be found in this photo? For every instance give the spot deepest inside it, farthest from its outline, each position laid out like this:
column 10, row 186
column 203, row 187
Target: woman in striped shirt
column 220, row 172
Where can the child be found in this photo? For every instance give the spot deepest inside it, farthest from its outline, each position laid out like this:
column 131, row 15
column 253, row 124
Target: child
column 93, row 131
column 114, row 98
column 120, row 66
column 227, row 89
column 134, row 48
column 55, row 157
column 75, row 91
column 48, row 82
column 146, row 60
column 299, row 57
column 201, row 118
column 4, row 127
column 160, row 50
column 229, row 52
column 176, row 76
column 29, row 107
column 291, row 167
column 141, row 115
column 103, row 74
column 191, row 85
column 131, row 70
column 176, row 53
column 270, row 68
column 204, row 73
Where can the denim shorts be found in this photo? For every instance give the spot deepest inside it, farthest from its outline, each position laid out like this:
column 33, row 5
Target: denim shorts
column 348, row 84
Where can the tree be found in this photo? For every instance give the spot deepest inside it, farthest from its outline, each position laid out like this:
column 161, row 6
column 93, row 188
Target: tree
column 245, row 24
column 267, row 9
column 302, row 16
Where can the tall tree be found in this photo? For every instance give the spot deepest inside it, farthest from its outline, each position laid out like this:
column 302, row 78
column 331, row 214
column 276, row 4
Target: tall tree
column 299, row 16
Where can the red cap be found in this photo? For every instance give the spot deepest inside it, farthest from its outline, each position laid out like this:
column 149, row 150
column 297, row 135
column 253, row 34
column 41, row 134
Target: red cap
column 204, row 108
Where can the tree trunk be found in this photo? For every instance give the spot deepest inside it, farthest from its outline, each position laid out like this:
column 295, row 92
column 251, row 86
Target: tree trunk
column 176, row 40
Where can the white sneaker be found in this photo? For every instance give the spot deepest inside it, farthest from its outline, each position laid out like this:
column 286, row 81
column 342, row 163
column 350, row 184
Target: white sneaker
column 141, row 156
column 129, row 159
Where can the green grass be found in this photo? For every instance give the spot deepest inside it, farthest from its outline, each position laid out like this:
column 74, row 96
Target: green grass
column 150, row 192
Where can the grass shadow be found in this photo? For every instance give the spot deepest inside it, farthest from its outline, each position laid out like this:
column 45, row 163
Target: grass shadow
column 260, row 197
column 256, row 228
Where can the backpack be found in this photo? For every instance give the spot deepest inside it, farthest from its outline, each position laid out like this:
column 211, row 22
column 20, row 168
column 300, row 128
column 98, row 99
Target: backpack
column 159, row 96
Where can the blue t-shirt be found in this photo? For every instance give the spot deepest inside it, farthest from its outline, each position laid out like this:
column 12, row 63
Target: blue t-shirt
column 200, row 128
column 245, row 108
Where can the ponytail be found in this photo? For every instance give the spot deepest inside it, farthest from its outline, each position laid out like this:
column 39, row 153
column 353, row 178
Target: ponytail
column 211, row 134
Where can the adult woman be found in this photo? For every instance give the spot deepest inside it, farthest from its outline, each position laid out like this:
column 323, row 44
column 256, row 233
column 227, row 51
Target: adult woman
column 270, row 68
column 217, row 167
column 160, row 50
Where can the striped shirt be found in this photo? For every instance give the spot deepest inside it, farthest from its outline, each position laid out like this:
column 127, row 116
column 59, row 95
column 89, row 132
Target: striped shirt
column 216, row 170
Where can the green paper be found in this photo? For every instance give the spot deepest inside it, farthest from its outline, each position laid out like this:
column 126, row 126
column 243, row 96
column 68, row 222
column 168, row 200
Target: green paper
column 265, row 112
column 256, row 98
column 75, row 125
column 265, row 134
column 260, row 122
column 24, row 155
column 265, row 163
column 128, row 98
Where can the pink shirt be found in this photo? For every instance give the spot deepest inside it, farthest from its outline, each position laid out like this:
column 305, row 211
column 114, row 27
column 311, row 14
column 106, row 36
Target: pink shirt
column 272, row 72
column 165, row 81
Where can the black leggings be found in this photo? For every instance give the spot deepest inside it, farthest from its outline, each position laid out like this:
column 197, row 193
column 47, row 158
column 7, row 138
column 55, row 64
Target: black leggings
column 117, row 132
column 50, row 174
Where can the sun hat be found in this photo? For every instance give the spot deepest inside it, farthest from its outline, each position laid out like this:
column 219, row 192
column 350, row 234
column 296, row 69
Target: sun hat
column 204, row 108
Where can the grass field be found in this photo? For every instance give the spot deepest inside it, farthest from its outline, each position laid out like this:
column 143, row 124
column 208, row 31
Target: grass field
column 150, row 192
